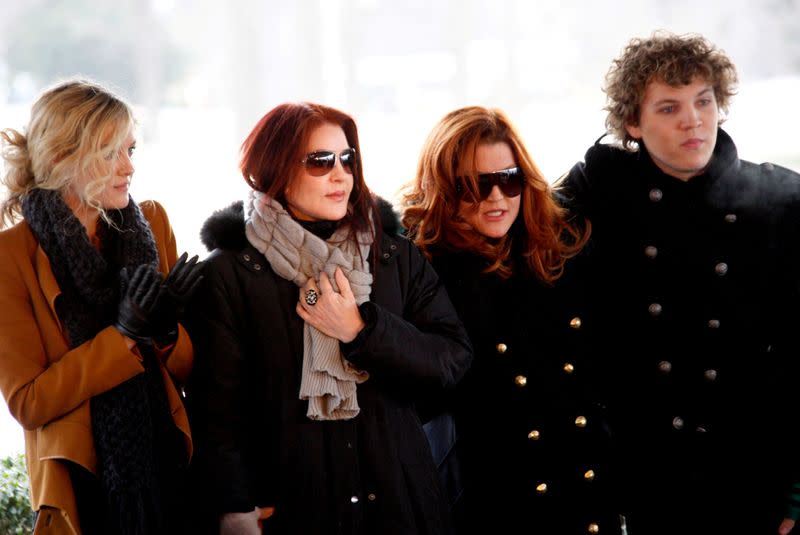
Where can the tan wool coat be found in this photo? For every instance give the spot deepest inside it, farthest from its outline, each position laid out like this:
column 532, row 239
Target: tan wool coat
column 47, row 385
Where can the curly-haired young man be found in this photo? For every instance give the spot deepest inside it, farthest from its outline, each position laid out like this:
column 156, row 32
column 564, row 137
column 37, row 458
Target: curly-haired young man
column 695, row 258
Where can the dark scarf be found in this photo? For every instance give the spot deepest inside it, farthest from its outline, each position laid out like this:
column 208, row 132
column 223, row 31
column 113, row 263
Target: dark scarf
column 131, row 423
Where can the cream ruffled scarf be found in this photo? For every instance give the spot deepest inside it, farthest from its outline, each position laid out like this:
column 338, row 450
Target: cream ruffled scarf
column 328, row 381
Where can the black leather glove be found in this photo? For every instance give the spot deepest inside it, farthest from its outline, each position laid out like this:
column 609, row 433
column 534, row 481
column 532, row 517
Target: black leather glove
column 138, row 298
column 175, row 291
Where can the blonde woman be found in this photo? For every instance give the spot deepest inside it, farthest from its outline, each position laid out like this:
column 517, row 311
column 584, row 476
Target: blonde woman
column 90, row 347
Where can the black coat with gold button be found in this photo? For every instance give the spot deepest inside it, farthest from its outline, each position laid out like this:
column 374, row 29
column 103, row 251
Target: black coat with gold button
column 696, row 286
column 533, row 445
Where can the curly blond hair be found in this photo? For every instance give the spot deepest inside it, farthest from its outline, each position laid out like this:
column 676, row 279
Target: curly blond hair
column 672, row 59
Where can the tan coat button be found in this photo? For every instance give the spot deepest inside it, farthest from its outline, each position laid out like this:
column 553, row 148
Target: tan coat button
column 520, row 380
column 501, row 348
column 371, row 497
column 575, row 322
column 665, row 366
column 569, row 368
column 534, row 435
column 588, row 475
column 593, row 528
column 541, row 488
column 580, row 421
column 654, row 309
column 651, row 251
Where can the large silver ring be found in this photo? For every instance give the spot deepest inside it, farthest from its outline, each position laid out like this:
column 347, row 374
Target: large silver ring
column 311, row 297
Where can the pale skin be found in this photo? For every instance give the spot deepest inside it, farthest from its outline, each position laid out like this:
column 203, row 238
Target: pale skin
column 679, row 128
column 314, row 198
column 493, row 216
column 335, row 313
column 114, row 195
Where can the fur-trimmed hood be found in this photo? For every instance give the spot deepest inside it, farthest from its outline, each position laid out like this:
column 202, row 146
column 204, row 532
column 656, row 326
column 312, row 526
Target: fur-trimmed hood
column 225, row 228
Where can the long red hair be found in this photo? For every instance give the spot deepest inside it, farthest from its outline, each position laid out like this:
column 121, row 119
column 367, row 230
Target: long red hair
column 431, row 203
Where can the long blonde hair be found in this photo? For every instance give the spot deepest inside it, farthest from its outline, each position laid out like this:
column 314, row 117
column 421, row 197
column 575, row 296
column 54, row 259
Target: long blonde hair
column 75, row 127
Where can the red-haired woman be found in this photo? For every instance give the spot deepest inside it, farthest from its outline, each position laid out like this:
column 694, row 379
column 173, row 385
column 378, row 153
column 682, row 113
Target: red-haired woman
column 315, row 329
column 532, row 443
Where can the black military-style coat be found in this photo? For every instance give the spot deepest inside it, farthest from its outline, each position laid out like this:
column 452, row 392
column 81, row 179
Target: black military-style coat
column 533, row 445
column 695, row 284
column 254, row 443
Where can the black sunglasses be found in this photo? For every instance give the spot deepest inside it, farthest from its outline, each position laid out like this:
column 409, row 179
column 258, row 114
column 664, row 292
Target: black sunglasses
column 508, row 180
column 322, row 162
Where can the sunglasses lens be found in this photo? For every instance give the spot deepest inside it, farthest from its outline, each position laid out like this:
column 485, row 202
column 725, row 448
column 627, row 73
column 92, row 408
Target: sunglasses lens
column 509, row 181
column 348, row 159
column 511, row 184
column 320, row 163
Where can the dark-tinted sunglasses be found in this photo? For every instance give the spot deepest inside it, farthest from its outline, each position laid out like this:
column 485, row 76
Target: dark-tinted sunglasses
column 322, row 162
column 508, row 180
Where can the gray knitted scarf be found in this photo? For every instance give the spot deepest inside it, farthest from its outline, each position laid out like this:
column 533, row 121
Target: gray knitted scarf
column 328, row 381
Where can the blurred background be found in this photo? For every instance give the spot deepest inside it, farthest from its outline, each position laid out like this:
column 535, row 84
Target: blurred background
column 200, row 74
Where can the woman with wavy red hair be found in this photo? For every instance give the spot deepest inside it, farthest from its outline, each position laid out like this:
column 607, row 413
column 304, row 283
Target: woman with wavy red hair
column 532, row 445
column 316, row 329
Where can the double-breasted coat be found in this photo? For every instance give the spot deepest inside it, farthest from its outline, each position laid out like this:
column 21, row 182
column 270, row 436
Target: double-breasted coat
column 696, row 286
column 48, row 386
column 256, row 446
column 533, row 445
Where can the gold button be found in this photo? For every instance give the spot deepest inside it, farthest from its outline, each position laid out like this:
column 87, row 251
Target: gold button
column 588, row 475
column 541, row 488
column 371, row 497
column 580, row 421
column 569, row 368
column 575, row 322
column 534, row 435
column 502, row 348
column 593, row 528
column 520, row 380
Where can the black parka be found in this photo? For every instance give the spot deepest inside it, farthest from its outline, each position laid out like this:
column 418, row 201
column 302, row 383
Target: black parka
column 696, row 286
column 255, row 445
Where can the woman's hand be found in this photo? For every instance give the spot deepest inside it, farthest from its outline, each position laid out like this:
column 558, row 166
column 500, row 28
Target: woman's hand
column 786, row 526
column 240, row 523
column 334, row 313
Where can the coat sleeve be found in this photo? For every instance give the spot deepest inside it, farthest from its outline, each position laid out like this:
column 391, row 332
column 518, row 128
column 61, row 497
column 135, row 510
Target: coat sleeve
column 426, row 346
column 39, row 389
column 573, row 190
column 215, row 394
